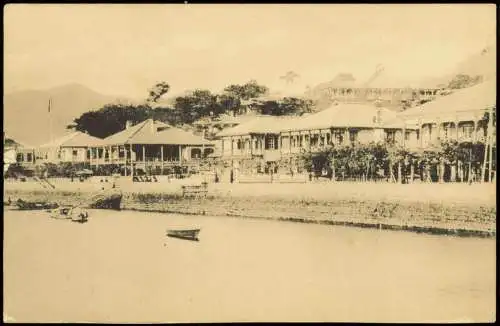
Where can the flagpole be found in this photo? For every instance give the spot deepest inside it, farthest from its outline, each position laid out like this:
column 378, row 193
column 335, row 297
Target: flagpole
column 50, row 121
column 49, row 150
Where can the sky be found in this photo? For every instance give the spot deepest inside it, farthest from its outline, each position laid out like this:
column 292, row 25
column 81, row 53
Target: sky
column 124, row 49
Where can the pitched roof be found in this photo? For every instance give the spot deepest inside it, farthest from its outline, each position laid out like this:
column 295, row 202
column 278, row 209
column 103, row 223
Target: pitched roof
column 463, row 104
column 259, row 124
column 345, row 115
column 74, row 139
column 155, row 132
column 341, row 115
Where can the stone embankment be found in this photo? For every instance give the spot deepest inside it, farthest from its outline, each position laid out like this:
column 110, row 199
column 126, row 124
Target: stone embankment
column 469, row 219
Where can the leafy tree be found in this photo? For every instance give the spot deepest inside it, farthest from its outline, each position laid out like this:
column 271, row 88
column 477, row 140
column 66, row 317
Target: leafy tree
column 198, row 104
column 463, row 81
column 247, row 91
column 110, row 119
column 228, row 102
column 285, row 106
column 157, row 91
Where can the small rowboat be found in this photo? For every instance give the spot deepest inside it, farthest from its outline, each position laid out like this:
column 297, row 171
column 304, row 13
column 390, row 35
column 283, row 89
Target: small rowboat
column 188, row 234
column 26, row 205
column 75, row 214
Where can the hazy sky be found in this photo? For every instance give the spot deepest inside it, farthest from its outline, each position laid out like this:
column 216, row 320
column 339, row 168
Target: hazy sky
column 124, row 49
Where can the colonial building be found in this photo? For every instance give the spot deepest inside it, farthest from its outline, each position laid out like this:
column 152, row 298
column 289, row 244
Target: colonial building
column 271, row 142
column 459, row 116
column 71, row 148
column 150, row 147
column 345, row 88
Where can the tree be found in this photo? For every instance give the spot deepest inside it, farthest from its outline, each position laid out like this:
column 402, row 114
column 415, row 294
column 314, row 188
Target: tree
column 285, row 106
column 110, row 119
column 247, row 91
column 228, row 102
column 290, row 77
column 463, row 81
column 157, row 91
column 197, row 104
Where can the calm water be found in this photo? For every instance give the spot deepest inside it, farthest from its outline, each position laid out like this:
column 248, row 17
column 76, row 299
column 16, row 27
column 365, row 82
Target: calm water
column 120, row 267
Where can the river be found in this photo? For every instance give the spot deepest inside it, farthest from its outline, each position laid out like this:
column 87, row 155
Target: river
column 120, row 267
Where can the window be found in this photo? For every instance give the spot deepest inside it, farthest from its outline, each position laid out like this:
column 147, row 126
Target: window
column 270, row 142
column 390, row 136
column 314, row 140
column 239, row 144
column 467, row 130
column 29, row 157
column 328, row 139
column 353, row 135
column 88, row 154
column 339, row 137
column 446, row 131
column 75, row 153
column 196, row 153
column 19, row 157
column 407, row 135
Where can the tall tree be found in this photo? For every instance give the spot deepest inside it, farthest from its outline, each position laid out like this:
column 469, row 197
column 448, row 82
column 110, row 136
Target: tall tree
column 157, row 91
column 197, row 104
column 110, row 119
column 247, row 91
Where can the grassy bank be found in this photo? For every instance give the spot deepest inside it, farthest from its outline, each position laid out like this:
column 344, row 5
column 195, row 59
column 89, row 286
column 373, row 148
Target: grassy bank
column 437, row 217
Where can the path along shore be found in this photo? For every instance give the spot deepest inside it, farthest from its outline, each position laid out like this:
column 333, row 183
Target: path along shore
column 451, row 209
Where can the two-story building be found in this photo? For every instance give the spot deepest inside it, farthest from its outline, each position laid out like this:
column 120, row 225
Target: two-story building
column 459, row 116
column 269, row 143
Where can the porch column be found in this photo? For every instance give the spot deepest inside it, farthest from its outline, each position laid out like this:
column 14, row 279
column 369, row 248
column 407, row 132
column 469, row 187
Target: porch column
column 162, row 158
column 232, row 146
column 131, row 161
column 290, row 142
column 310, row 147
column 438, row 129
column 404, row 136
column 97, row 156
column 456, row 129
column 474, row 131
column 180, row 154
column 144, row 156
column 346, row 135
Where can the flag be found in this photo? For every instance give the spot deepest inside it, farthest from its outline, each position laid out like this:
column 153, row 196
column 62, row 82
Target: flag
column 49, row 104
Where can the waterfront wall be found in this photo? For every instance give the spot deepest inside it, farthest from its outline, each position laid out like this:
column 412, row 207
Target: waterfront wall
column 430, row 217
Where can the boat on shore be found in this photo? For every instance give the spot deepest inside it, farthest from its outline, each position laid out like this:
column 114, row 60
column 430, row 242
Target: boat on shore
column 111, row 200
column 188, row 234
column 74, row 213
column 35, row 205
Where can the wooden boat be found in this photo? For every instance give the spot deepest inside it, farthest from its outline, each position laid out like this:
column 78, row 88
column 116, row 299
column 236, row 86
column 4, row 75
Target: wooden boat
column 189, row 234
column 107, row 201
column 33, row 205
column 76, row 214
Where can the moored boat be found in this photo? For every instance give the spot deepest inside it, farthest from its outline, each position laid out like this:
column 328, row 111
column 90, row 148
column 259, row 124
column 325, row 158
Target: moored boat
column 35, row 205
column 189, row 234
column 74, row 213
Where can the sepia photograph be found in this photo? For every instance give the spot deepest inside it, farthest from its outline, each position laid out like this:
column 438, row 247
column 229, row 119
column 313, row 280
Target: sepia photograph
column 202, row 163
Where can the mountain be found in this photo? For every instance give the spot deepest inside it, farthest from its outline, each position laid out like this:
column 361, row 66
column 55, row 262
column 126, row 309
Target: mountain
column 26, row 114
column 482, row 63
